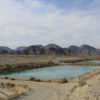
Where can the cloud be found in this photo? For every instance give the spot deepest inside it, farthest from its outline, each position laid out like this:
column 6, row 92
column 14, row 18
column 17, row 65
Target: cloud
column 34, row 3
column 26, row 22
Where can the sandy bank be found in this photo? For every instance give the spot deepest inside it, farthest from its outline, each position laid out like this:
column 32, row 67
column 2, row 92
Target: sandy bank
column 87, row 89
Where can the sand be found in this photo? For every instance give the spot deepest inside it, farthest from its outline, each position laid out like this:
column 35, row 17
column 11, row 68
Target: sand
column 44, row 90
column 59, row 91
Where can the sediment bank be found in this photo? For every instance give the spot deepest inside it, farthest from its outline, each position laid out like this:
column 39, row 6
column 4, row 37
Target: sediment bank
column 20, row 67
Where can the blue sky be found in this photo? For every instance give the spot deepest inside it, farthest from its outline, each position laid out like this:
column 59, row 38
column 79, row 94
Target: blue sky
column 64, row 22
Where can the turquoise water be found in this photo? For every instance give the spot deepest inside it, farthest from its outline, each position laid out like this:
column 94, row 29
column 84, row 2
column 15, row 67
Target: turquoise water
column 55, row 72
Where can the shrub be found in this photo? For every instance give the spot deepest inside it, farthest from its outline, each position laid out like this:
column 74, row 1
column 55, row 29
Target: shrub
column 10, row 85
column 2, row 85
column 37, row 80
column 12, row 78
column 63, row 81
column 6, row 77
column 32, row 78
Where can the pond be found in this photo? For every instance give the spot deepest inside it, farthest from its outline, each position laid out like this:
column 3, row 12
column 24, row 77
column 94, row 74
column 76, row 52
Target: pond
column 54, row 72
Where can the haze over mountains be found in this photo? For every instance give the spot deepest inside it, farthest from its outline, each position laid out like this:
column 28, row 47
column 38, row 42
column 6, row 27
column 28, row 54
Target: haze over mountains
column 52, row 49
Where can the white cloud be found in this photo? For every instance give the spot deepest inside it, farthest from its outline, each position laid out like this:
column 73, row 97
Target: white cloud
column 36, row 22
column 34, row 3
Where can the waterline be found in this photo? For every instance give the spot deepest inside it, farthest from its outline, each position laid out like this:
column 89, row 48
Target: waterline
column 55, row 72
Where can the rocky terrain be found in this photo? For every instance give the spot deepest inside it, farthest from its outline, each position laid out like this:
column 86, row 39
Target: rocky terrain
column 84, row 50
column 52, row 49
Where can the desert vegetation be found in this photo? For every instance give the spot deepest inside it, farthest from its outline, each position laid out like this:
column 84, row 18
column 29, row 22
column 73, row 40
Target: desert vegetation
column 10, row 90
column 34, row 79
column 63, row 80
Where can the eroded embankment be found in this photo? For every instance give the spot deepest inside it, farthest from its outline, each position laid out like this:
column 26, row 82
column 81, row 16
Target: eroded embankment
column 20, row 67
column 14, row 63
column 87, row 87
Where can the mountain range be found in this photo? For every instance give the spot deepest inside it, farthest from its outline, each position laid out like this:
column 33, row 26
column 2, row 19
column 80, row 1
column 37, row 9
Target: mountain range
column 52, row 49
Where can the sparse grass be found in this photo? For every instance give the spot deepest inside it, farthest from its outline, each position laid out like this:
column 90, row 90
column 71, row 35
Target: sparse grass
column 12, row 91
column 2, row 85
column 10, row 85
column 74, row 60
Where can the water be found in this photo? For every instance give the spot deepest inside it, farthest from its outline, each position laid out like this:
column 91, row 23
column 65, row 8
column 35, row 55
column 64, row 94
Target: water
column 93, row 61
column 55, row 72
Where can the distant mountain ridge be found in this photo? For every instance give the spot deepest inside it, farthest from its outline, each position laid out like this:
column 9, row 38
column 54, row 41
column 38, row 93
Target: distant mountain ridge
column 20, row 48
column 52, row 46
column 84, row 50
column 5, row 48
column 52, row 49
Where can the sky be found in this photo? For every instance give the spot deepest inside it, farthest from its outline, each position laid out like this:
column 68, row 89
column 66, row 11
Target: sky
column 63, row 22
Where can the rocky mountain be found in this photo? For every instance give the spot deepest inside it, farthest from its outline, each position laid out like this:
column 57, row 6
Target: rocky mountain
column 68, row 52
column 20, row 48
column 41, row 50
column 52, row 46
column 84, row 50
column 5, row 48
column 33, row 50
column 74, row 49
column 98, row 50
column 2, row 51
column 53, row 49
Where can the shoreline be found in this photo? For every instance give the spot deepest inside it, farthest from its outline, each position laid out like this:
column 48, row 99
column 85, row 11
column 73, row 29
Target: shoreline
column 9, row 68
column 14, row 63
column 73, row 79
column 48, row 89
